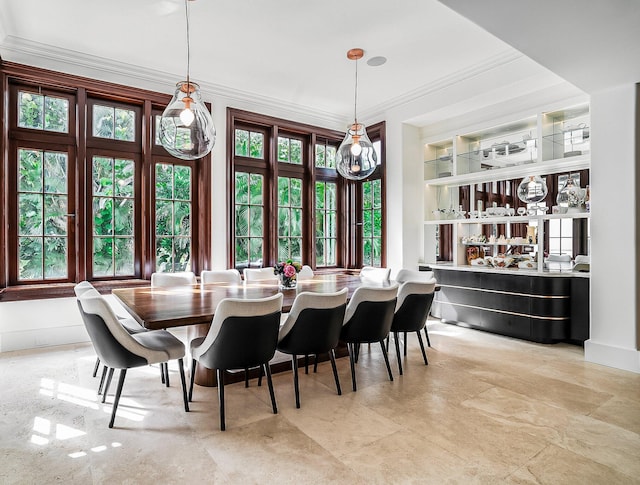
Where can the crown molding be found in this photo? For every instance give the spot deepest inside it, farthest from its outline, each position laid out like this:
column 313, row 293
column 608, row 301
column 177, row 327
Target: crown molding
column 444, row 82
column 23, row 51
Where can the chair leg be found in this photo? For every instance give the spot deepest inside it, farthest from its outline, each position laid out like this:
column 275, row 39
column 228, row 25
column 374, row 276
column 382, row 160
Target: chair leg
column 193, row 374
column 260, row 373
column 162, row 372
column 315, row 364
column 395, row 337
column 426, row 334
column 106, row 386
column 166, row 373
column 352, row 351
column 356, row 352
column 386, row 359
column 332, row 356
column 306, row 364
column 267, row 370
column 95, row 369
column 388, row 342
column 184, row 385
column 405, row 344
column 104, row 374
column 220, row 373
column 123, row 373
column 296, row 387
column 424, row 354
column 246, row 377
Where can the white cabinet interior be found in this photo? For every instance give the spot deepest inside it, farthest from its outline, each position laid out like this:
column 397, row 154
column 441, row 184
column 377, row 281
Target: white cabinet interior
column 545, row 143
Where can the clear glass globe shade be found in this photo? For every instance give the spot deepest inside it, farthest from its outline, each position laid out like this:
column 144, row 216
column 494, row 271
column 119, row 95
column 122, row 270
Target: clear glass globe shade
column 532, row 189
column 351, row 163
column 188, row 141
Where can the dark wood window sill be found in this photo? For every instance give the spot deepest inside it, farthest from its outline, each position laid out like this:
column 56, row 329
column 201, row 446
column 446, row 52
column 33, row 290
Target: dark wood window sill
column 61, row 290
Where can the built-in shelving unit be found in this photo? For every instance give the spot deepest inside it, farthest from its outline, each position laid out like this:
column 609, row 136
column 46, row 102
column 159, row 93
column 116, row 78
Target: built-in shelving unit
column 544, row 143
column 465, row 228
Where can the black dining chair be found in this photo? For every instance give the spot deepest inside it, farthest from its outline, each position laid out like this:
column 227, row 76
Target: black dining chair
column 243, row 334
column 132, row 326
column 119, row 349
column 412, row 310
column 368, row 319
column 405, row 275
column 313, row 327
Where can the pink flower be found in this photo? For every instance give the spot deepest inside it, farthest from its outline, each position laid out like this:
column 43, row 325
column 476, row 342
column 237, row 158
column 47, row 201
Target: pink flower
column 289, row 271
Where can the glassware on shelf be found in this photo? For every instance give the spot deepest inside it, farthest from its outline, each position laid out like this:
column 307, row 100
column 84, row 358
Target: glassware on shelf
column 532, row 189
column 522, row 211
column 572, row 196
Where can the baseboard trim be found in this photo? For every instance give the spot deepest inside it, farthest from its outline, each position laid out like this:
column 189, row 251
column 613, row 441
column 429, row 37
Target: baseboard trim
column 617, row 357
column 42, row 337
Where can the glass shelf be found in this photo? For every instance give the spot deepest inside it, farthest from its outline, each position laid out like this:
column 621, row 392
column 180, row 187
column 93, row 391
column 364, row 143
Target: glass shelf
column 497, row 148
column 438, row 168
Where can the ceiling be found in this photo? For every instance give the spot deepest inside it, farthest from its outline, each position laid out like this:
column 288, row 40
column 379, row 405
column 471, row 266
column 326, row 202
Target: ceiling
column 594, row 45
column 444, row 58
column 290, row 52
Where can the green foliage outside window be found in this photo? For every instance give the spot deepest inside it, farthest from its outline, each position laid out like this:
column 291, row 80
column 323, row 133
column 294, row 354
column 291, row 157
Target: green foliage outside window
column 249, row 144
column 326, row 223
column 289, row 150
column 289, row 219
column 372, row 222
column 173, row 218
column 114, row 123
column 42, row 209
column 248, row 219
column 41, row 112
column 113, row 216
column 325, row 156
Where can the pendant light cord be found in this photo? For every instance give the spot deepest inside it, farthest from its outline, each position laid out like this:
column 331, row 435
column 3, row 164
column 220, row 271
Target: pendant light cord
column 186, row 13
column 355, row 103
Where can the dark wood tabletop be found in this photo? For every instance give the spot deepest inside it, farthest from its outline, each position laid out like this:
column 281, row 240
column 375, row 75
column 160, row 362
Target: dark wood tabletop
column 157, row 308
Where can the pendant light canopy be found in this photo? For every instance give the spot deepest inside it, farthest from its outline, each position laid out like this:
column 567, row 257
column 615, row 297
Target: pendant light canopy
column 186, row 126
column 356, row 158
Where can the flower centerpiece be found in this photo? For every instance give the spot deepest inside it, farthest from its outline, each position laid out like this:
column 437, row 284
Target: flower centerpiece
column 287, row 271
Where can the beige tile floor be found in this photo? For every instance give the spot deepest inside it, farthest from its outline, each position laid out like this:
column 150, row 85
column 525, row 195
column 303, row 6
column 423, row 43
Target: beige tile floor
column 488, row 409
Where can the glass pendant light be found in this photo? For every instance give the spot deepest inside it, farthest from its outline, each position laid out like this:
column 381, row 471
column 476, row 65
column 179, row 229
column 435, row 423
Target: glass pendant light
column 356, row 158
column 186, row 126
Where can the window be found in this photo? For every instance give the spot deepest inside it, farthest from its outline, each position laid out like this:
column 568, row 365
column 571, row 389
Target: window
column 173, row 217
column 249, row 217
column 80, row 169
column 43, row 236
column 289, row 201
column 289, row 150
column 326, row 223
column 289, row 219
column 372, row 223
column 113, row 123
column 113, row 193
column 561, row 236
column 40, row 112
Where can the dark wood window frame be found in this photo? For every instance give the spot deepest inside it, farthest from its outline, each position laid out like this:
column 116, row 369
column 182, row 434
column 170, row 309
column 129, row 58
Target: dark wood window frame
column 349, row 194
column 83, row 93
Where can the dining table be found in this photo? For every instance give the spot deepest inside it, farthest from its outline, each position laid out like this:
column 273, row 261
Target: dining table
column 194, row 305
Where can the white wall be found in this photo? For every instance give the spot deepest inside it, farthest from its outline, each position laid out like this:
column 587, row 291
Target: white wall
column 614, row 202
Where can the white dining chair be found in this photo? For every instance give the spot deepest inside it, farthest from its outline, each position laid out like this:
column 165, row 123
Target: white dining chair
column 262, row 275
column 169, row 280
column 306, row 273
column 221, row 276
column 373, row 274
column 405, row 275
